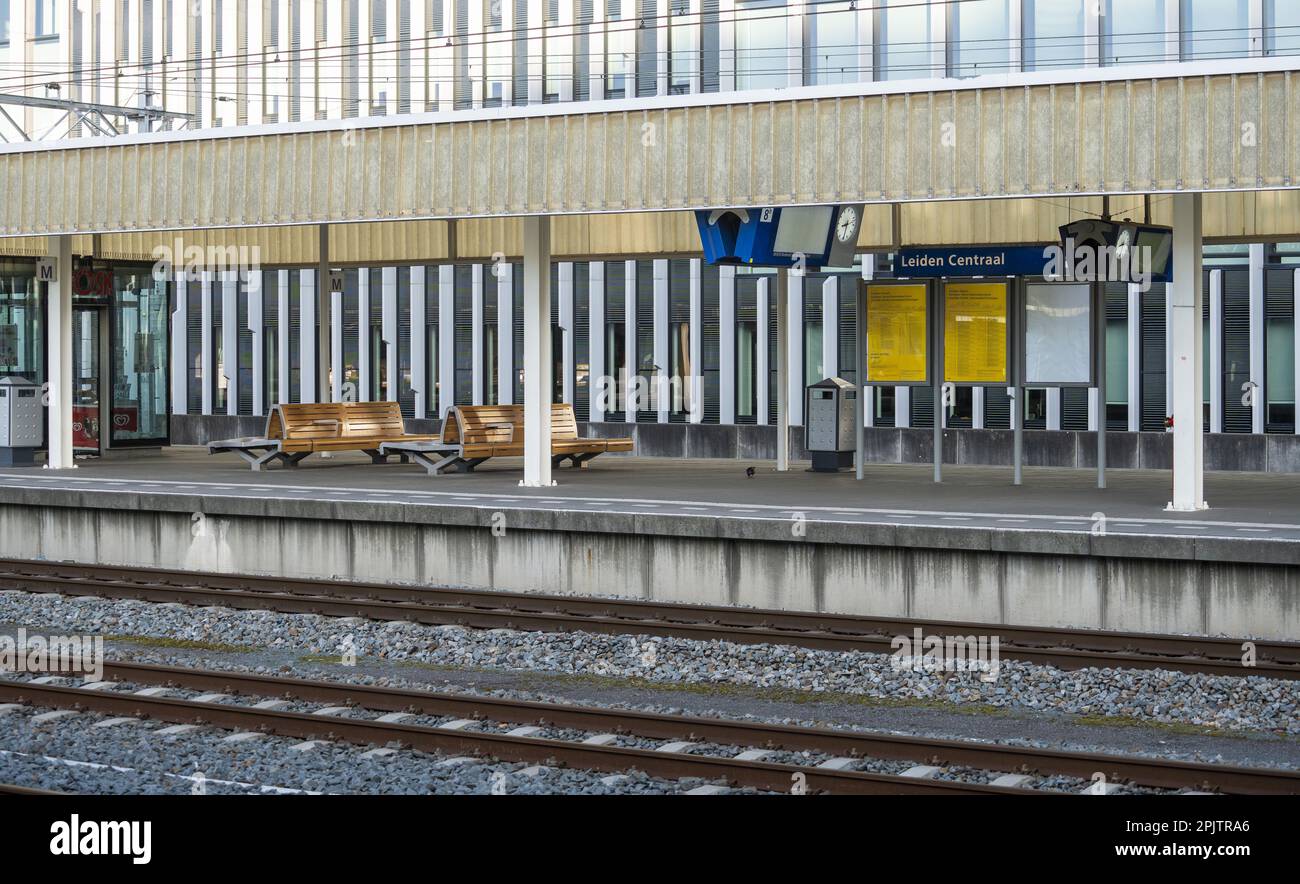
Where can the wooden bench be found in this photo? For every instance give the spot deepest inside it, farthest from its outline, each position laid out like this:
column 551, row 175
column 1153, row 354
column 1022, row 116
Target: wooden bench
column 473, row 433
column 296, row 430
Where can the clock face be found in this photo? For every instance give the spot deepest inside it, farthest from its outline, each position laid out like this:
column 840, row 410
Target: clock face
column 847, row 225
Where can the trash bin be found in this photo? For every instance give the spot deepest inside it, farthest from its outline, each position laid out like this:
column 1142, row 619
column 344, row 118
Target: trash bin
column 20, row 421
column 829, row 411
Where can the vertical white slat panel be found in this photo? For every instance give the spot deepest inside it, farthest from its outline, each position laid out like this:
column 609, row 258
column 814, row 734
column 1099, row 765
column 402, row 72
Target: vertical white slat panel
column 726, row 344
column 446, row 338
column 1216, row 351
column 505, row 272
column 364, row 382
column 662, row 366
column 418, row 330
column 476, row 334
column 180, row 345
column 308, row 299
column 1134, row 323
column 761, row 363
column 599, row 384
column 693, row 383
column 629, row 339
column 794, row 344
column 388, row 326
column 564, row 276
column 282, row 334
column 1257, row 374
column 253, row 284
column 206, row 363
column 830, row 330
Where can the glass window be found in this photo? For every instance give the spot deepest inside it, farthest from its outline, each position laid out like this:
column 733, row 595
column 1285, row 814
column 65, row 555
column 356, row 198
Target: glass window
column 813, row 370
column 4, row 21
column 1116, row 373
column 746, row 370
column 1054, row 34
column 684, row 49
column 22, row 322
column 1281, row 27
column 620, row 55
column 497, row 68
column 832, row 44
column 46, row 26
column 1279, row 370
column 681, row 389
column 761, row 47
column 1216, row 28
column 1133, row 32
column 980, row 41
column 904, row 40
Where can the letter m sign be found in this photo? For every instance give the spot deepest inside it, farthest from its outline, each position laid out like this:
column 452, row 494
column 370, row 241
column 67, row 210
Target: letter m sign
column 47, row 270
column 336, row 281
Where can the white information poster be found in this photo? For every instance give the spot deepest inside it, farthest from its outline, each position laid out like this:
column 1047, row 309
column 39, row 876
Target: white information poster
column 1058, row 334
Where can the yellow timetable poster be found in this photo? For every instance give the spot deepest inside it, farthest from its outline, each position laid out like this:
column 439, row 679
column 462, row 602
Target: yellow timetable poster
column 975, row 333
column 896, row 345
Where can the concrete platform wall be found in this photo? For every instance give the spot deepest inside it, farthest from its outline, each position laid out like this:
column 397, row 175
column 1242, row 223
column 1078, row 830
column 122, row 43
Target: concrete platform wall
column 953, row 575
column 1272, row 453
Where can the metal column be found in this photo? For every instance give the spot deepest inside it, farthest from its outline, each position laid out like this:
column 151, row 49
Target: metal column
column 782, row 371
column 1186, row 353
column 537, row 352
column 59, row 387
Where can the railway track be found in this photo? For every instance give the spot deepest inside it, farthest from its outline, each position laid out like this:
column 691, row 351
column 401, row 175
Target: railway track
column 1147, row 772
column 487, row 609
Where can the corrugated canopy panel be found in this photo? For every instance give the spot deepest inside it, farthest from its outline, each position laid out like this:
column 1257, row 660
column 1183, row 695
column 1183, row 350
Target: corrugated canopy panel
column 868, row 142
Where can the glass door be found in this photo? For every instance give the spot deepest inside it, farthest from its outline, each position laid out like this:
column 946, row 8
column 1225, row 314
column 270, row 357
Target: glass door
column 140, row 358
column 87, row 393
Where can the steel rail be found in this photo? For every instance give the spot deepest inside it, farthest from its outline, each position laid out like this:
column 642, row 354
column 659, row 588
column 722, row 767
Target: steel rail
column 1151, row 772
column 672, row 765
column 489, row 609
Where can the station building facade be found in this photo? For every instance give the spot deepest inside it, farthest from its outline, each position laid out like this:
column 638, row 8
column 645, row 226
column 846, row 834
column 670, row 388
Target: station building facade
column 169, row 359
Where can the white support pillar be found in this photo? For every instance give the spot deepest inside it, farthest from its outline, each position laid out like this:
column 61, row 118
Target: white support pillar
column 58, row 295
column 564, row 274
column 634, row 395
column 323, row 315
column 864, row 26
column 505, row 278
column 660, row 331
column 693, row 383
column 938, row 39
column 388, row 328
column 600, row 388
column 476, row 333
column 419, row 353
column 1185, row 307
column 253, row 286
column 1092, row 34
column 762, row 370
column 977, row 408
column 537, row 351
column 726, row 344
column 660, row 22
column 1134, row 323
column 1216, row 351
column 793, row 347
column 1255, row 20
column 1257, row 374
column 230, row 338
column 782, row 370
column 180, row 345
column 206, row 366
column 794, row 32
column 446, row 338
column 282, row 335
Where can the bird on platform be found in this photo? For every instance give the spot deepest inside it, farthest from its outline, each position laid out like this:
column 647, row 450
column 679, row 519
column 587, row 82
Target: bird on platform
column 749, row 472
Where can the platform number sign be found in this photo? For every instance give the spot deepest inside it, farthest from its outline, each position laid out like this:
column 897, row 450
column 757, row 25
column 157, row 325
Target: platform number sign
column 766, row 215
column 336, row 281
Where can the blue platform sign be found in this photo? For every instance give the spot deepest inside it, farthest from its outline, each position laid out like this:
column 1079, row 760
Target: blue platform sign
column 1079, row 264
column 996, row 261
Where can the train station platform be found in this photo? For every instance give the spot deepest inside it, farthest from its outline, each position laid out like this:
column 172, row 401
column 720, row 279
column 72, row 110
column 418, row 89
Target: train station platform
column 1054, row 551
